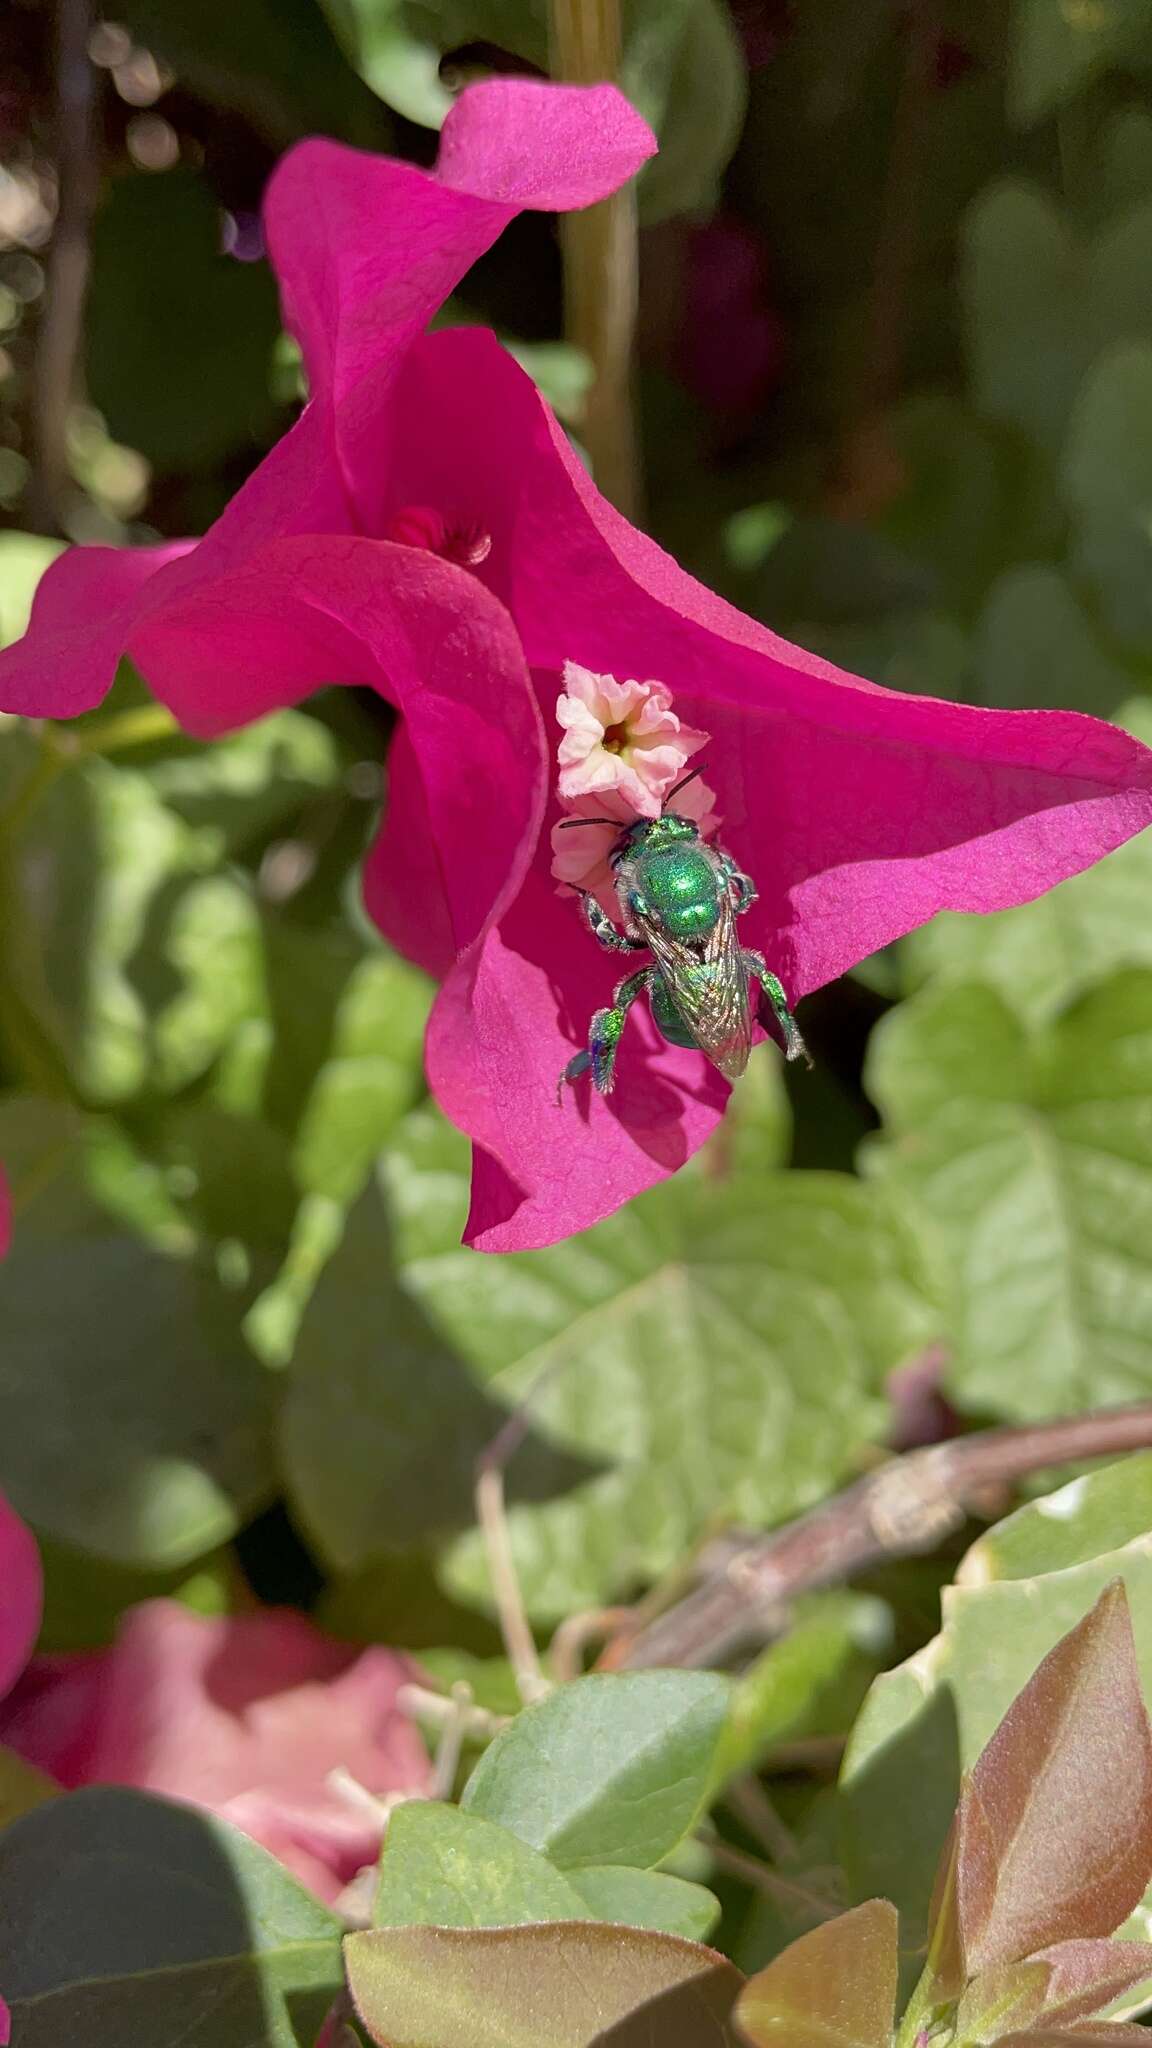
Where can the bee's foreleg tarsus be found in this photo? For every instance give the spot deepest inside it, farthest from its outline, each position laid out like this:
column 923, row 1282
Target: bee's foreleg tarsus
column 605, row 1034
column 743, row 888
column 577, row 1065
column 601, row 927
column 772, row 1007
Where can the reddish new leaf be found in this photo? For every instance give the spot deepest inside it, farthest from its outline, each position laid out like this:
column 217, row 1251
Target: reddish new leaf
column 834, row 1988
column 1053, row 1834
column 573, row 1984
column 1086, row 1976
column 1100, row 2034
column 1058, row 1987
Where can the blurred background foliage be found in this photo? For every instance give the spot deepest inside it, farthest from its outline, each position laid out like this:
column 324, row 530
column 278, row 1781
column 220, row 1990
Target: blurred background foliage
column 895, row 383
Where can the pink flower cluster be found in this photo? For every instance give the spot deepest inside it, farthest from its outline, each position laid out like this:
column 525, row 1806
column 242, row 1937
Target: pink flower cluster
column 260, row 1718
column 425, row 529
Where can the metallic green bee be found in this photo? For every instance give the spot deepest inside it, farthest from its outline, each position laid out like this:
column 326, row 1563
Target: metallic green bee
column 680, row 899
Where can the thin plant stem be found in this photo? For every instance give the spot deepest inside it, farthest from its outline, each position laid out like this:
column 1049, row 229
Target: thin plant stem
column 601, row 267
column 784, row 1890
column 515, row 1628
column 61, row 332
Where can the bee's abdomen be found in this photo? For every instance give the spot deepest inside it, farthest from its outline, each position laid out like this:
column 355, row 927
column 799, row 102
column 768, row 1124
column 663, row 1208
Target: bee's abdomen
column 679, row 887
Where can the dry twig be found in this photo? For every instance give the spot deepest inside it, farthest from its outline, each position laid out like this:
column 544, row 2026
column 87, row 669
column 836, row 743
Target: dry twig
column 905, row 1507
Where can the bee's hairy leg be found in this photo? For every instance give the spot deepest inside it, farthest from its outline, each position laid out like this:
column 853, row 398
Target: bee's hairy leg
column 604, row 1035
column 601, row 927
column 772, row 1007
column 743, row 888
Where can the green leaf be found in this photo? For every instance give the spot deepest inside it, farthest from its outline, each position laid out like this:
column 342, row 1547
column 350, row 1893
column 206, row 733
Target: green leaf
column 126, row 1918
column 1028, row 1166
column 834, row 1988
column 1034, row 645
column 160, row 278
column 371, row 1077
column 1108, row 485
column 444, row 1868
column 1058, row 49
column 811, row 1682
column 928, row 1721
column 1095, row 1513
column 382, row 1424
column 1038, row 956
column 133, row 1418
column 275, row 61
column 647, row 1898
column 23, row 560
column 706, row 1300
column 241, row 788
column 540, row 1987
column 1021, row 280
column 609, row 1769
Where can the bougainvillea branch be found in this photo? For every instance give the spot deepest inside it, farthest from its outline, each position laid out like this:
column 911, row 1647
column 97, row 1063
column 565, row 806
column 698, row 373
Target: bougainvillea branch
column 600, row 265
column 905, row 1507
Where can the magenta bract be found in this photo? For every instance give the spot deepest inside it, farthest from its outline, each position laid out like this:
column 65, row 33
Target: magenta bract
column 426, row 529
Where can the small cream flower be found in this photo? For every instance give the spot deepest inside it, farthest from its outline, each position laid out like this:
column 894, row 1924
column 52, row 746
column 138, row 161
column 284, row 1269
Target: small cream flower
column 620, row 739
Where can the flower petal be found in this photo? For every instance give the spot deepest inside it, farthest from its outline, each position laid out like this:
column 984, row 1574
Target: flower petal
column 859, row 812
column 21, row 1595
column 426, row 635
column 81, row 616
column 245, row 1716
column 367, row 249
column 503, row 1028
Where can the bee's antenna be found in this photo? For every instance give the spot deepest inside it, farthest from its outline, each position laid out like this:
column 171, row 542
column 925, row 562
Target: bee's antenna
column 682, row 784
column 570, row 824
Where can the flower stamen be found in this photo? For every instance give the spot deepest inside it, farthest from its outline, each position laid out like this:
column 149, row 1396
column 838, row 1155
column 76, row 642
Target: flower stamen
column 464, row 542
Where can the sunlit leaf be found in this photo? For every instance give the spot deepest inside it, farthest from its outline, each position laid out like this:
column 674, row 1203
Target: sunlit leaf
column 608, row 1769
column 1053, row 1837
column 646, row 1898
column 834, row 1988
column 574, row 1986
column 444, row 1868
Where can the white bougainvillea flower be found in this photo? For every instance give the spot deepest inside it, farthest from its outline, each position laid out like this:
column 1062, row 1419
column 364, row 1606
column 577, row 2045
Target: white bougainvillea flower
column 580, row 856
column 622, row 738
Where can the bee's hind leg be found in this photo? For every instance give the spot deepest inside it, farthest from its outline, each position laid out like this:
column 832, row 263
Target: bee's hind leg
column 605, row 1034
column 772, row 1007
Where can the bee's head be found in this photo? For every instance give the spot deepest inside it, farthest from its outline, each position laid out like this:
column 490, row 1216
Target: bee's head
column 654, row 832
column 661, row 831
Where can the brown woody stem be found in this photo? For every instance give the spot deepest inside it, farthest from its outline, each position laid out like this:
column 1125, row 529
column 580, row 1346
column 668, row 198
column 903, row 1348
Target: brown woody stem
column 600, row 265
column 61, row 332
column 905, row 1507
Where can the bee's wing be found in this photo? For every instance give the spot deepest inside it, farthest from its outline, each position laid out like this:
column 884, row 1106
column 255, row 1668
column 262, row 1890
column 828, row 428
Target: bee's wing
column 709, row 988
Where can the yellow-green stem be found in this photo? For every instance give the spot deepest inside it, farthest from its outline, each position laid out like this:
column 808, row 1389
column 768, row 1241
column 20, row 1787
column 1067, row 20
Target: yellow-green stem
column 600, row 265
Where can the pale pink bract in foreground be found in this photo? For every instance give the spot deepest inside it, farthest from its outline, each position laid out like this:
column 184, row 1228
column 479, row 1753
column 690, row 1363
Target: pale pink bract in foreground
column 858, row 812
column 247, row 1716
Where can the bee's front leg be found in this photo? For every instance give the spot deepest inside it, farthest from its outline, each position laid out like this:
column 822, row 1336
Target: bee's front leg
column 602, row 928
column 743, row 888
column 773, row 1006
column 605, row 1034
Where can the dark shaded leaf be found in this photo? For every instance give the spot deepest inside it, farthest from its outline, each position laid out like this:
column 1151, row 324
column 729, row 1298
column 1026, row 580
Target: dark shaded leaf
column 129, row 1919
